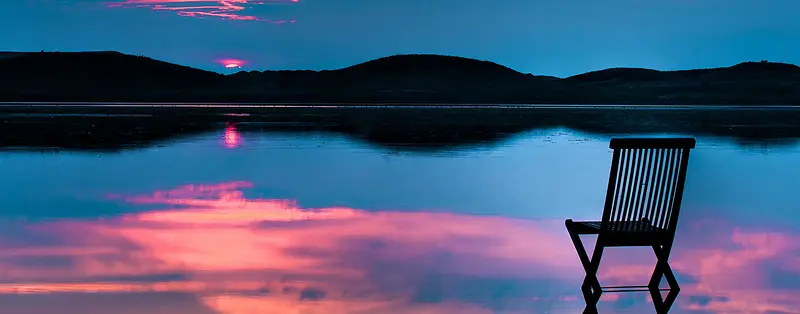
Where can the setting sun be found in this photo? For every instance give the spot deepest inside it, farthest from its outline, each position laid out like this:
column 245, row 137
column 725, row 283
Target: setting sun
column 231, row 63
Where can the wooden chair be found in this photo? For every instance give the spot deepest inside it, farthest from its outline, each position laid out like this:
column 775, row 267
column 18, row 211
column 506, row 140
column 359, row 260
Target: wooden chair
column 642, row 204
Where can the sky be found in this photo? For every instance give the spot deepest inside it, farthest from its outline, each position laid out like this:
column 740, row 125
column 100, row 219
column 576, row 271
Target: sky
column 548, row 37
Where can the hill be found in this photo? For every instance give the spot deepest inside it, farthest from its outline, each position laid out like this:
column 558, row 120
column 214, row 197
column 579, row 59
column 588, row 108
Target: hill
column 423, row 78
column 401, row 78
column 745, row 83
column 54, row 76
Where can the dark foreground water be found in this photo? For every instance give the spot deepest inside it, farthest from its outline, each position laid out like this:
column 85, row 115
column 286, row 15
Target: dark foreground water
column 233, row 222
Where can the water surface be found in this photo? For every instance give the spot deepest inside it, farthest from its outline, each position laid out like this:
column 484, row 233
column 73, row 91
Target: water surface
column 235, row 222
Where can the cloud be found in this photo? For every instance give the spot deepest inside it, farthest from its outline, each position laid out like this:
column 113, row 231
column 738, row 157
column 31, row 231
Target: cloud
column 239, row 256
column 224, row 9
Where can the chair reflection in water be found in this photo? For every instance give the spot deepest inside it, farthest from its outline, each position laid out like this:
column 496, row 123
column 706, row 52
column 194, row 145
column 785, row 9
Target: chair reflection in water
column 642, row 204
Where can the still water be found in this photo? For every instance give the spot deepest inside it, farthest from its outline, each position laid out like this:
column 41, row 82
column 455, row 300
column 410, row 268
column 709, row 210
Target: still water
column 237, row 223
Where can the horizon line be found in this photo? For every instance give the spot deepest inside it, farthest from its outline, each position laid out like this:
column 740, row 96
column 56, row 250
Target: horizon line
column 223, row 72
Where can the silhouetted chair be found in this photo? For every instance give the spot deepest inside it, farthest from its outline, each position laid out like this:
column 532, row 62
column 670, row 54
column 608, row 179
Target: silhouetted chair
column 642, row 204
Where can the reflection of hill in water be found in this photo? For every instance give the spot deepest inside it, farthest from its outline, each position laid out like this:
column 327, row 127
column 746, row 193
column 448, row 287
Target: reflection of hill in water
column 424, row 129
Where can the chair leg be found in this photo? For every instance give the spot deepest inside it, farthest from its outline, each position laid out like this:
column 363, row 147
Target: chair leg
column 591, row 286
column 662, row 268
column 591, row 273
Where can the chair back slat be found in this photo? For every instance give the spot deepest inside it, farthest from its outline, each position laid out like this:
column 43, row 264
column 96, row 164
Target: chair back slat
column 646, row 183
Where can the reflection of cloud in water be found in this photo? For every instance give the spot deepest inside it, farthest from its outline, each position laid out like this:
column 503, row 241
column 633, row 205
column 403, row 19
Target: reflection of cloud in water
column 241, row 256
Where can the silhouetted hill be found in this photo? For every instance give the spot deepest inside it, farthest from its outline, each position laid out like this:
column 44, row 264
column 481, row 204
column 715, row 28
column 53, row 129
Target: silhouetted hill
column 744, row 72
column 426, row 65
column 615, row 75
column 745, row 83
column 423, row 78
column 401, row 78
column 6, row 54
column 112, row 75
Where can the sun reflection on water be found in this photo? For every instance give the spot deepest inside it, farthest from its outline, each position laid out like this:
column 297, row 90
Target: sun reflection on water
column 232, row 137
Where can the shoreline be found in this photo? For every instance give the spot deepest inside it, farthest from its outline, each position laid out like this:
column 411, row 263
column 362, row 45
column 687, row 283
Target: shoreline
column 234, row 105
column 98, row 128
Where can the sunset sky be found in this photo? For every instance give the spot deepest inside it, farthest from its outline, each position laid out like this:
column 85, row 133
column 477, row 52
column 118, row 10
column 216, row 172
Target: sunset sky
column 538, row 36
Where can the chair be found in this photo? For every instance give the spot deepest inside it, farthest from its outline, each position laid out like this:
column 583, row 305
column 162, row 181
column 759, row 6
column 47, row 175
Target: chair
column 642, row 204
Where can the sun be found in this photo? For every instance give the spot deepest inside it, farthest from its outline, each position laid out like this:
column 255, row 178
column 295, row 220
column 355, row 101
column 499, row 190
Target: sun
column 231, row 63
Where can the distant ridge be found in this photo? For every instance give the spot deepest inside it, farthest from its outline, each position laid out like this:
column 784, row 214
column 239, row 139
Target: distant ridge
column 104, row 74
column 429, row 64
column 415, row 78
column 745, row 70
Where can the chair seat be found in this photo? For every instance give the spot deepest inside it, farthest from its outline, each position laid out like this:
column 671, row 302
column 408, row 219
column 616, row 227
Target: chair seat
column 617, row 227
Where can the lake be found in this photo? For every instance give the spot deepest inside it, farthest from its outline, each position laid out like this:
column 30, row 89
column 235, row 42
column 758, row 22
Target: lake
column 233, row 220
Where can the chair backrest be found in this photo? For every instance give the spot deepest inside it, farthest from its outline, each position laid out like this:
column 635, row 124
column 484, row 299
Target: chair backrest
column 646, row 181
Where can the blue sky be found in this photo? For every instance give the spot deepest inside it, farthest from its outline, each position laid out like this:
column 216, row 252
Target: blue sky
column 559, row 38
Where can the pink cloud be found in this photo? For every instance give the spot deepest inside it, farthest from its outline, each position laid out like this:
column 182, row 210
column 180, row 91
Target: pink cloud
column 224, row 9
